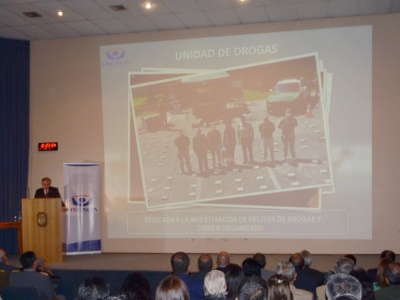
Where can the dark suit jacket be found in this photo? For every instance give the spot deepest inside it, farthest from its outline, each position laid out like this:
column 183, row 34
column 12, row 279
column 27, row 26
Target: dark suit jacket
column 194, row 285
column 53, row 193
column 309, row 279
column 41, row 282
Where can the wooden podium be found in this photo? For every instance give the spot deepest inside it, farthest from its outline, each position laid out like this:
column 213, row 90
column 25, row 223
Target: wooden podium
column 43, row 228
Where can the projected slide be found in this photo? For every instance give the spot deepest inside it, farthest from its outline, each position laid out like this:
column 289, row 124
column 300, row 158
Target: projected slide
column 227, row 136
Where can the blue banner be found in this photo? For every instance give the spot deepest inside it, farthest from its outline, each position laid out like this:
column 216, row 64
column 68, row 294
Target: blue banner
column 83, row 202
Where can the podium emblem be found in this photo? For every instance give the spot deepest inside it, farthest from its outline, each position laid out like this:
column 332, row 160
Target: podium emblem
column 41, row 219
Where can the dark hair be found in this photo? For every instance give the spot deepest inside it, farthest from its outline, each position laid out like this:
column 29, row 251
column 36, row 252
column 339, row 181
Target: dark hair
column 389, row 254
column 252, row 288
column 136, row 287
column 279, row 288
column 205, row 263
column 367, row 286
column 180, row 262
column 27, row 259
column 251, row 267
column 93, row 288
column 260, row 258
column 298, row 261
column 172, row 288
column 352, row 257
column 233, row 278
column 392, row 273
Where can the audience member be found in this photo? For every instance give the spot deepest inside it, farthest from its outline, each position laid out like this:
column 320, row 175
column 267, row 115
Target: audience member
column 172, row 288
column 385, row 254
column 180, row 264
column 93, row 288
column 4, row 262
column 343, row 265
column 223, row 260
column 215, row 285
column 136, row 287
column 115, row 297
column 307, row 278
column 392, row 277
column 287, row 269
column 353, row 258
column 366, row 283
column 260, row 258
column 279, row 288
column 252, row 288
column 28, row 277
column 340, row 285
column 380, row 278
column 251, row 267
column 233, row 277
column 205, row 265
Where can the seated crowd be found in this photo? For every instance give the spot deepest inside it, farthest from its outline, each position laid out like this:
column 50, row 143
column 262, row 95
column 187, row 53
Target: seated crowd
column 293, row 279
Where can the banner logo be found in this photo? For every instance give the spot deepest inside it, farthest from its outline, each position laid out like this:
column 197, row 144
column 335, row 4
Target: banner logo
column 82, row 200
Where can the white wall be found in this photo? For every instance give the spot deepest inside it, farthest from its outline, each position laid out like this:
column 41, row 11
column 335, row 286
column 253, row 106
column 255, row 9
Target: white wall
column 66, row 107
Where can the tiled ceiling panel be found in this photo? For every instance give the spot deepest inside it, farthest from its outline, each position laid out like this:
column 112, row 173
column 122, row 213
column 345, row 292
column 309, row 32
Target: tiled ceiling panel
column 97, row 17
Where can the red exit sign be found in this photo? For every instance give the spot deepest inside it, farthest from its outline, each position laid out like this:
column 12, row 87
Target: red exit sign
column 48, row 146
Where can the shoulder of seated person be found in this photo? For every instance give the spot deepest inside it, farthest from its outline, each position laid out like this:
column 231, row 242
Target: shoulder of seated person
column 44, row 273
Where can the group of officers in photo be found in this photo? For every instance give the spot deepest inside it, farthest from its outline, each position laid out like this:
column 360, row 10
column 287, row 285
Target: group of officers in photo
column 222, row 147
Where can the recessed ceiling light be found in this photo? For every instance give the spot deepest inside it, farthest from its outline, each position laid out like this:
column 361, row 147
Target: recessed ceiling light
column 117, row 7
column 32, row 14
column 148, row 5
column 60, row 13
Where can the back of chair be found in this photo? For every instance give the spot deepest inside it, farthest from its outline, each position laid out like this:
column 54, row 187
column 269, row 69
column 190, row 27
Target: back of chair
column 4, row 279
column 19, row 293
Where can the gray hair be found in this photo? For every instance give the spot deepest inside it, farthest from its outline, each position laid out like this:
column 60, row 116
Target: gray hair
column 343, row 285
column 307, row 257
column 286, row 269
column 215, row 284
column 344, row 265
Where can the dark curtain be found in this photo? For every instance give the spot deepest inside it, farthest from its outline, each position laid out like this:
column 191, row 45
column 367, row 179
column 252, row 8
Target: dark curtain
column 14, row 134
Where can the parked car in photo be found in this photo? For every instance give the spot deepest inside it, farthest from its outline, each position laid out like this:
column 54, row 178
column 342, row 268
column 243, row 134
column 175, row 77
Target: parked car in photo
column 288, row 93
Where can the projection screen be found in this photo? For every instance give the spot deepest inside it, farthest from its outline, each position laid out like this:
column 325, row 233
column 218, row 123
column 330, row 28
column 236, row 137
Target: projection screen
column 154, row 93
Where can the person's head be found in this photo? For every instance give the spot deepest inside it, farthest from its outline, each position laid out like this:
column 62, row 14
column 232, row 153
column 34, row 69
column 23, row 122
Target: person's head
column 136, row 287
column 307, row 257
column 205, row 263
column 353, row 258
column 28, row 260
column 392, row 273
column 223, row 259
column 215, row 284
column 3, row 256
column 46, row 182
column 388, row 254
column 298, row 261
column 288, row 112
column 343, row 285
column 260, row 258
column 233, row 277
column 252, row 288
column 93, row 288
column 180, row 263
column 172, row 288
column 287, row 269
column 266, row 118
column 279, row 288
column 344, row 265
column 251, row 267
column 366, row 283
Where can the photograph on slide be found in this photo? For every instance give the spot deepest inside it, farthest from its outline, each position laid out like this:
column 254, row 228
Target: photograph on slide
column 183, row 121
